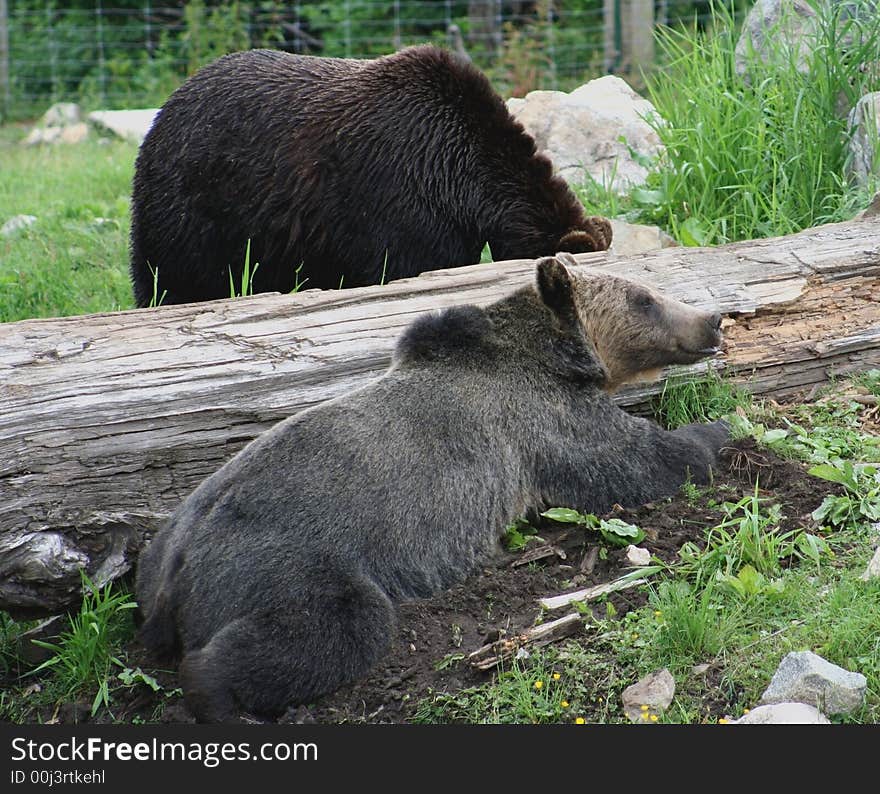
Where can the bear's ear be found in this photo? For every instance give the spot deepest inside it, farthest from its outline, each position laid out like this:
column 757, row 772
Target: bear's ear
column 556, row 289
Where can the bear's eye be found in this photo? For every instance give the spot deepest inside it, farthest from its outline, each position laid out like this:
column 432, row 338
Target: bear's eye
column 642, row 300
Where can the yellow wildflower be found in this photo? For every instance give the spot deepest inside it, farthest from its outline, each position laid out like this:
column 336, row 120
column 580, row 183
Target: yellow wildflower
column 579, row 721
column 565, row 704
column 539, row 684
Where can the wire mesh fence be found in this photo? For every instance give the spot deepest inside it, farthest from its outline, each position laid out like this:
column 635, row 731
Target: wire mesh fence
column 132, row 54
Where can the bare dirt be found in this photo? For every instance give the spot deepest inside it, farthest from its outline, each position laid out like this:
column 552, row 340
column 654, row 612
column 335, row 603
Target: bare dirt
column 502, row 600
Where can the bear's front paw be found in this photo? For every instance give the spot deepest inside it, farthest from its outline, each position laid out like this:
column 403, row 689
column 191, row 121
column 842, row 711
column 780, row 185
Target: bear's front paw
column 595, row 235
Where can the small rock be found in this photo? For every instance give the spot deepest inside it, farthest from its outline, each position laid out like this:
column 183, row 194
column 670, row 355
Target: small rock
column 629, row 239
column 637, row 557
column 61, row 114
column 650, row 696
column 804, row 677
column 783, row 714
column 61, row 123
column 76, row 133
column 700, row 669
column 873, row 569
column 16, row 224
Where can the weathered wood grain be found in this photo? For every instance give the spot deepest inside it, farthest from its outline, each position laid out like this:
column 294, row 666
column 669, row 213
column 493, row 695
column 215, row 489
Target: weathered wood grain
column 107, row 421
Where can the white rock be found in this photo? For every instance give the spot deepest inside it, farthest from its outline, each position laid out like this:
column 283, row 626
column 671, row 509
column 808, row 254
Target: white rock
column 130, row 125
column 580, row 132
column 76, row 133
column 40, row 135
column 61, row 114
column 654, row 691
column 873, row 569
column 637, row 556
column 635, row 238
column 17, row 223
column 864, row 125
column 804, row 677
column 61, row 123
column 783, row 714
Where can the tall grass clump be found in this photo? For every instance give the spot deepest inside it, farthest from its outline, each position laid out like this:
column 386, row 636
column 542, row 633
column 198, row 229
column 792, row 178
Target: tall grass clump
column 760, row 153
column 84, row 655
column 704, row 399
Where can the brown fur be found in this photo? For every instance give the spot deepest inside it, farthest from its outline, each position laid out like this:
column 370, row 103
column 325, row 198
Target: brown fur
column 339, row 172
column 636, row 330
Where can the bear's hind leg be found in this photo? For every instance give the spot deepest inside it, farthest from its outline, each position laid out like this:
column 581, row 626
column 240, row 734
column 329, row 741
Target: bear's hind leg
column 265, row 662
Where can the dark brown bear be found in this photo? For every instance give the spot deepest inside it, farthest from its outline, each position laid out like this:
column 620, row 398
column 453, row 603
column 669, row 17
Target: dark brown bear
column 340, row 173
column 275, row 581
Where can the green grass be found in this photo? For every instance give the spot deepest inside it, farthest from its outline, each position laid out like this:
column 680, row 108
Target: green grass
column 84, row 655
column 704, row 399
column 550, row 688
column 74, row 259
column 758, row 155
column 86, row 662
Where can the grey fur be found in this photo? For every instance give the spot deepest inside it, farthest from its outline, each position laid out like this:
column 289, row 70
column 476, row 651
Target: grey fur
column 275, row 580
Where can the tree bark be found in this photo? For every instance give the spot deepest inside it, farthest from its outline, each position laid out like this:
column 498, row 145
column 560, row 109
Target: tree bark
column 108, row 421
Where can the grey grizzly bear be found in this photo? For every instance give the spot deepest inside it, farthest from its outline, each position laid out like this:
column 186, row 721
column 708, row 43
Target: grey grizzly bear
column 339, row 172
column 275, row 581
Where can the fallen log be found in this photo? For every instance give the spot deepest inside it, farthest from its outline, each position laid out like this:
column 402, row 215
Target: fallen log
column 107, row 421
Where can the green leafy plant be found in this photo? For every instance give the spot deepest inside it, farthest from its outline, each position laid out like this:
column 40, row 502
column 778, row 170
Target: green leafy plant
column 85, row 653
column 829, row 435
column 749, row 583
column 613, row 531
column 861, row 502
column 748, row 535
column 519, row 533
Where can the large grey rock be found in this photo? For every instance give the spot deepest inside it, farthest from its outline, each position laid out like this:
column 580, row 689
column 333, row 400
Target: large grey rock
column 130, row 125
column 804, row 677
column 650, row 696
column 783, row 714
column 863, row 165
column 581, row 132
column 779, row 30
